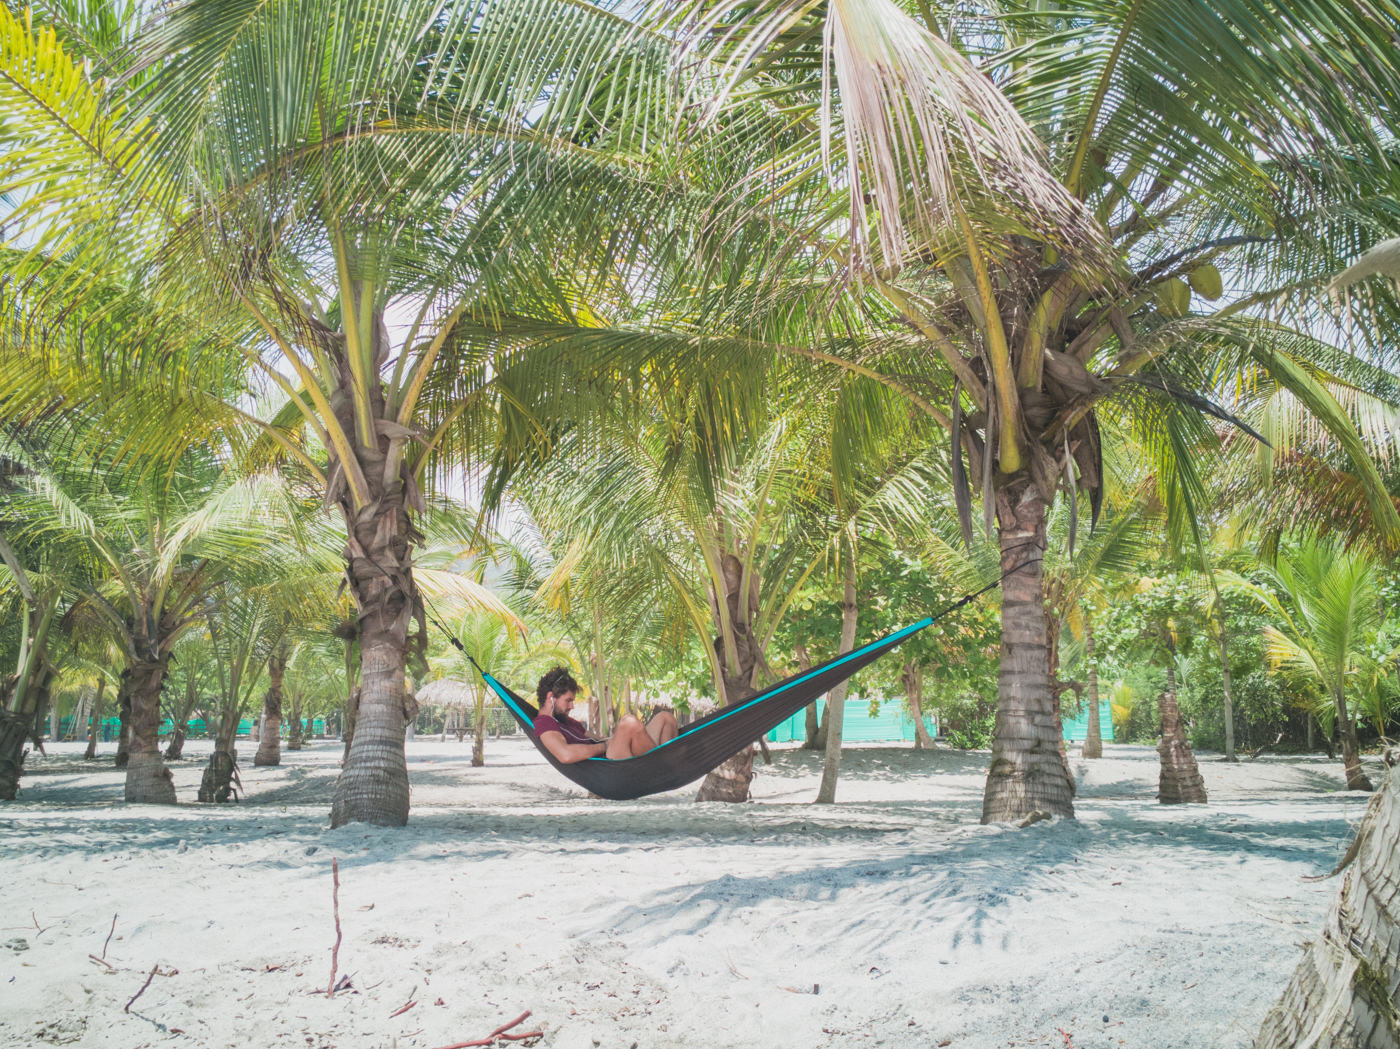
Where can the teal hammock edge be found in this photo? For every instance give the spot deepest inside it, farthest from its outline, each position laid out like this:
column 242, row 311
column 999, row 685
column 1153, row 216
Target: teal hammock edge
column 708, row 742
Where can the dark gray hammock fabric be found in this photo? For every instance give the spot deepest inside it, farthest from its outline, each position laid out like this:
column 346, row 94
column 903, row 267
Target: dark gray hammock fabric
column 703, row 744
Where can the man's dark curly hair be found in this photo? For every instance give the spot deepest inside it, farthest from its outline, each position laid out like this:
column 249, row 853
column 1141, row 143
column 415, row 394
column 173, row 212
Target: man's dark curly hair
column 556, row 681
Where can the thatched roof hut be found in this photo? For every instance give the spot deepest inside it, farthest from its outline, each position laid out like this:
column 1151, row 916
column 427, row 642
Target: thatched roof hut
column 447, row 692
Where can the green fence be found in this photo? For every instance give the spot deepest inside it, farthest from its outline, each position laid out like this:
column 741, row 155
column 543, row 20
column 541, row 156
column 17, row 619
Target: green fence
column 1077, row 728
column 858, row 725
column 195, row 728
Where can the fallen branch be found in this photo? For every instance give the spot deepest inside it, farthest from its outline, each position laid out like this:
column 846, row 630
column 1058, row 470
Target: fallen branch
column 335, row 910
column 406, row 1006
column 103, row 961
column 152, row 975
column 1065, row 1035
column 500, row 1032
column 109, row 938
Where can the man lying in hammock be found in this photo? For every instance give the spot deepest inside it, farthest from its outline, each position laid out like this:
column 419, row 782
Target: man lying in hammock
column 568, row 740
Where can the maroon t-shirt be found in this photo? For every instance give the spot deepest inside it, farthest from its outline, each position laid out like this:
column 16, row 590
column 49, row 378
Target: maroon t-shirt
column 573, row 731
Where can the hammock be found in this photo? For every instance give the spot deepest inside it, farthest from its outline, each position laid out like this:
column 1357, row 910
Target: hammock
column 703, row 744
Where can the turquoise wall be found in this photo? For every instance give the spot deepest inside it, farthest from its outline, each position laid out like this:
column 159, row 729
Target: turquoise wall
column 1076, row 729
column 857, row 726
column 195, row 727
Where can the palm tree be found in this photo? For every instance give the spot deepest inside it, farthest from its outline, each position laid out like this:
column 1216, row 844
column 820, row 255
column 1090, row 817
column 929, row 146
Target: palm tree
column 164, row 547
column 1327, row 615
column 394, row 163
column 1053, row 224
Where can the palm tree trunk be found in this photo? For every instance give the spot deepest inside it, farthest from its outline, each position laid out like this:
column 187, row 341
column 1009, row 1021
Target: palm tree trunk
column 1351, row 747
column 836, row 698
column 1093, row 736
column 731, row 780
column 912, row 677
column 1228, row 702
column 479, row 731
column 175, row 749
column 95, row 728
column 810, row 720
column 1344, row 992
column 270, row 745
column 1179, row 779
column 373, row 785
column 123, row 720
column 1027, row 773
column 294, row 736
column 218, row 781
column 14, row 727
column 148, row 781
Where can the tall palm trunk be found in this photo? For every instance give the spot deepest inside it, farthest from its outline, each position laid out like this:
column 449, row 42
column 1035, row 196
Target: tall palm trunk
column 175, row 749
column 123, row 754
column 1093, row 736
column 270, row 744
column 148, row 781
column 479, row 730
column 738, row 660
column 1344, row 991
column 373, row 785
column 294, row 735
column 23, row 694
column 811, row 723
column 1027, row 773
column 911, row 676
column 1179, row 779
column 1351, row 746
column 1227, row 699
column 836, row 698
column 95, row 729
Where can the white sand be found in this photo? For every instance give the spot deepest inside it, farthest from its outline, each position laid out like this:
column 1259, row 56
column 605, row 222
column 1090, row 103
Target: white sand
column 890, row 919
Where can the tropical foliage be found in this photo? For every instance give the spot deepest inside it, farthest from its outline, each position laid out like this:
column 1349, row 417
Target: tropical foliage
column 698, row 342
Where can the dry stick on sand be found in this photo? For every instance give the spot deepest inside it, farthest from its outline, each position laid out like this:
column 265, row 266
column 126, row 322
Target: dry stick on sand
column 109, row 939
column 152, row 975
column 500, row 1032
column 335, row 910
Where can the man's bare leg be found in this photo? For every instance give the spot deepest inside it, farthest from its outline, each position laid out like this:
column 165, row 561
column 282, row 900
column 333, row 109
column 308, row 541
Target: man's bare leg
column 629, row 739
column 662, row 728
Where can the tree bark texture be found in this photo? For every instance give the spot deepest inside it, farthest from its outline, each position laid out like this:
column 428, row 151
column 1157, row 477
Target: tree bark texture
column 731, row 780
column 294, row 735
column 1227, row 698
column 1027, row 772
column 175, row 747
column 95, row 729
column 912, row 678
column 1345, row 991
column 811, row 720
column 220, row 781
column 836, row 698
column 1351, row 747
column 270, row 745
column 1179, row 779
column 1093, row 736
column 479, row 737
column 14, row 728
column 148, row 781
column 373, row 785
column 123, row 720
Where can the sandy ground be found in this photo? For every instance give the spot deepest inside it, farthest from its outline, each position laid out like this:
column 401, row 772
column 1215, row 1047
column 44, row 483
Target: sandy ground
column 889, row 919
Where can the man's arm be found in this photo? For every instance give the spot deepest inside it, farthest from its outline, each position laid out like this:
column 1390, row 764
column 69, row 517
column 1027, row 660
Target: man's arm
column 567, row 753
